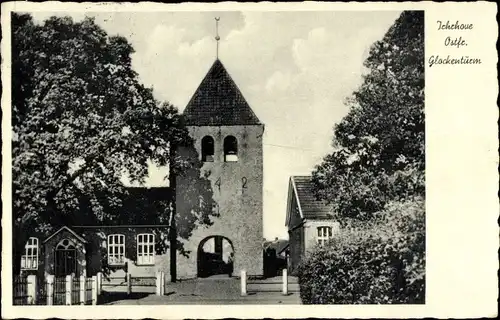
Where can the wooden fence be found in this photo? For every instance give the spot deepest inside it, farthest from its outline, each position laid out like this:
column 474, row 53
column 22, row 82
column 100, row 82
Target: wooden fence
column 54, row 291
column 275, row 284
column 59, row 292
column 131, row 284
column 88, row 290
column 20, row 290
column 41, row 292
column 78, row 291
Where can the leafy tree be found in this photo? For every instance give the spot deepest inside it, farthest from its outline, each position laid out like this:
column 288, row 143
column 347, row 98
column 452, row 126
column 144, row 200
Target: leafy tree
column 375, row 180
column 379, row 146
column 381, row 261
column 81, row 120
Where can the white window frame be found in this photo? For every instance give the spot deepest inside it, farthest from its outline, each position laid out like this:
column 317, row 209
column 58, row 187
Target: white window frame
column 324, row 234
column 145, row 249
column 29, row 260
column 116, row 249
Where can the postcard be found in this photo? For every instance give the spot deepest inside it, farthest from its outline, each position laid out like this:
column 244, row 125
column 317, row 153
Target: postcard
column 197, row 160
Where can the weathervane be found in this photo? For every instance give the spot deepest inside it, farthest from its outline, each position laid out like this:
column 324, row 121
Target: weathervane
column 217, row 38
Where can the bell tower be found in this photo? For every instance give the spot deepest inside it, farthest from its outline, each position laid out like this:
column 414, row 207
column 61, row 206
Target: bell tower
column 228, row 140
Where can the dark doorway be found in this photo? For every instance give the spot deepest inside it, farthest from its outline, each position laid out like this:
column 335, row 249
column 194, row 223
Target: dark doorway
column 65, row 258
column 215, row 256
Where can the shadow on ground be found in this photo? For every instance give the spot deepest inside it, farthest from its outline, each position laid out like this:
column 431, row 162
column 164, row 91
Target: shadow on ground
column 212, row 291
column 109, row 297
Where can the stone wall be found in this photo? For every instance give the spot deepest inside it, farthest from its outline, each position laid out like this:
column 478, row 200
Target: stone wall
column 237, row 190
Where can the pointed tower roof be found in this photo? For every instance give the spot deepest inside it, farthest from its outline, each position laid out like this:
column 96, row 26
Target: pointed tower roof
column 218, row 102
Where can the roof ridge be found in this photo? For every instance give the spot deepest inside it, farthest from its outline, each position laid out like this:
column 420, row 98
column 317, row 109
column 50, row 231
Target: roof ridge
column 79, row 237
column 302, row 176
column 310, row 207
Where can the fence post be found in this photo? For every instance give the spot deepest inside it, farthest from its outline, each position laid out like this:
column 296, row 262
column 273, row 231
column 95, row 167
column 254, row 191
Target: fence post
column 94, row 290
column 31, row 289
column 82, row 290
column 69, row 288
column 129, row 284
column 99, row 283
column 243, row 282
column 285, row 282
column 50, row 290
column 158, row 283
column 162, row 283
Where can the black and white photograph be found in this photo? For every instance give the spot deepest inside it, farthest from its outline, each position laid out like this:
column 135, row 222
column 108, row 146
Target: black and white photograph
column 216, row 158
column 222, row 157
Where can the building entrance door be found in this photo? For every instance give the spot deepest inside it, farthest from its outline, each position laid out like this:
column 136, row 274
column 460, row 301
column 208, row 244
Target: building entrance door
column 65, row 259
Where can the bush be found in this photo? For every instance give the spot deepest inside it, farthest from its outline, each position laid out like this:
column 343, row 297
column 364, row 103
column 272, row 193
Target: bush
column 381, row 261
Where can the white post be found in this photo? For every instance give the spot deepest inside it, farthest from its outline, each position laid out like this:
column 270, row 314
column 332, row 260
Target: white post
column 31, row 289
column 82, row 290
column 99, row 283
column 158, row 283
column 94, row 290
column 162, row 283
column 285, row 282
column 243, row 282
column 165, row 287
column 50, row 290
column 69, row 287
column 129, row 283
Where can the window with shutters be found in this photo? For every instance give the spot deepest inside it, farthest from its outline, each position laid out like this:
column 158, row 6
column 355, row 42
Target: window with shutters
column 145, row 248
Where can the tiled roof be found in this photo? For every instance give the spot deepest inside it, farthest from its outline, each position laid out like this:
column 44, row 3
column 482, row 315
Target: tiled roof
column 218, row 102
column 151, row 194
column 311, row 207
column 143, row 204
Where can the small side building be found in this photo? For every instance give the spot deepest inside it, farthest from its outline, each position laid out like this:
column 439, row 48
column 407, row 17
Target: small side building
column 134, row 245
column 310, row 221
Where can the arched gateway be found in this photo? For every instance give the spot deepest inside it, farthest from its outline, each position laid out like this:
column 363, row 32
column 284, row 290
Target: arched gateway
column 215, row 256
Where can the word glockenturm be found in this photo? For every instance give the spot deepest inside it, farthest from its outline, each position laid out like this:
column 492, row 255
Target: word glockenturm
column 448, row 60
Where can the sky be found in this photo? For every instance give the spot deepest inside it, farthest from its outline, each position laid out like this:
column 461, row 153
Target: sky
column 295, row 69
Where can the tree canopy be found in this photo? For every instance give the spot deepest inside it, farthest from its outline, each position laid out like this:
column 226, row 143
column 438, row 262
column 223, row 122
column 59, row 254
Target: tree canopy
column 379, row 151
column 81, row 120
column 375, row 180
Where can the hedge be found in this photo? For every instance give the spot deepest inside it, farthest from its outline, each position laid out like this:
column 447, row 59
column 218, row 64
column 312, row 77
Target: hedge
column 376, row 262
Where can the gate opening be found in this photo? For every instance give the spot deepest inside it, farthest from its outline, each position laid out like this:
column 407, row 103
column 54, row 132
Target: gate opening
column 215, row 256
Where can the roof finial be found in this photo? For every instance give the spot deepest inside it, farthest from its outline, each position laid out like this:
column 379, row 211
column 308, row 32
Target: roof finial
column 217, row 38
